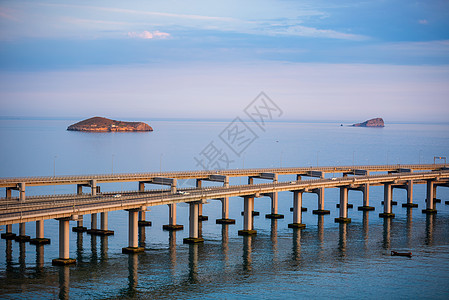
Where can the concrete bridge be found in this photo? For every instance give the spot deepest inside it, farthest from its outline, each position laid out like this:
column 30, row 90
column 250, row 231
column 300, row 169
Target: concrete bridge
column 73, row 207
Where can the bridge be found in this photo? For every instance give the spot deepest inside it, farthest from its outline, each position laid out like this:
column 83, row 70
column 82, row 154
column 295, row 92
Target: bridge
column 72, row 207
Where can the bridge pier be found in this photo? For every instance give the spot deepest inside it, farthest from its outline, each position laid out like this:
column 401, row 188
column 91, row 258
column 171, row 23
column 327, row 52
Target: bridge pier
column 40, row 240
column 8, row 193
column 104, row 225
column 297, row 211
column 172, row 219
column 274, row 203
column 133, row 235
column 22, row 237
column 343, row 206
column 225, row 212
column 409, row 195
column 430, row 203
column 248, row 216
column 93, row 224
column 194, row 236
column 320, row 210
column 79, row 224
column 365, row 191
column 8, row 235
column 142, row 221
column 198, row 185
column 387, row 202
column 64, row 250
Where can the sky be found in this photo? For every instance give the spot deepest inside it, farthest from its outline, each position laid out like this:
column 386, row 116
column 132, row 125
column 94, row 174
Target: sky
column 317, row 60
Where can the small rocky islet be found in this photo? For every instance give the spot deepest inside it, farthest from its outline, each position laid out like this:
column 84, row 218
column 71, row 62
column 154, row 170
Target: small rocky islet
column 100, row 124
column 376, row 122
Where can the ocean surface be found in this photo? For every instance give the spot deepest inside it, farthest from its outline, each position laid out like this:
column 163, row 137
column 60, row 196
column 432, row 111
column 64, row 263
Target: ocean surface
column 324, row 260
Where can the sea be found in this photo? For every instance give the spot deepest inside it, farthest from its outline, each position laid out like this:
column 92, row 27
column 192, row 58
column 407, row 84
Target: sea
column 324, row 260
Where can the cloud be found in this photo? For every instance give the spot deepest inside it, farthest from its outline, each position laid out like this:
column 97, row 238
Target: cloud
column 147, row 35
column 423, row 22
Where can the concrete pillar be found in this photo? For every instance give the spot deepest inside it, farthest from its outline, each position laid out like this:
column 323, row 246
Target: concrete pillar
column 8, row 235
column 93, row 223
column 79, row 189
column 172, row 219
column 142, row 219
column 64, row 250
column 39, row 240
column 365, row 191
column 133, row 234
column 174, row 186
column 343, row 206
column 22, row 191
column 320, row 210
column 430, row 204
column 225, row 212
column 22, row 237
column 298, row 177
column 141, row 186
column 297, row 211
column 387, row 202
column 104, row 225
column 199, row 184
column 248, row 208
column 79, row 225
column 8, row 193
column 250, row 180
column 93, row 186
column 409, row 195
column 193, row 225
column 274, row 206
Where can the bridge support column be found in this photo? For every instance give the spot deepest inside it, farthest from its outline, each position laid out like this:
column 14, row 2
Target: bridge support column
column 104, row 225
column 142, row 221
column 193, row 225
column 22, row 191
column 274, row 204
column 93, row 187
column 79, row 225
column 22, row 237
column 93, row 224
column 387, row 202
column 64, row 250
column 248, row 217
column 430, row 203
column 297, row 211
column 8, row 193
column 365, row 206
column 141, row 186
column 172, row 219
column 409, row 195
column 320, row 210
column 79, row 189
column 198, row 185
column 225, row 212
column 40, row 240
column 8, row 235
column 343, row 206
column 133, row 236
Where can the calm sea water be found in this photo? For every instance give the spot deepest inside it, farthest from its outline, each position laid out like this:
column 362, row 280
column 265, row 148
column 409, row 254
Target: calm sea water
column 324, row 260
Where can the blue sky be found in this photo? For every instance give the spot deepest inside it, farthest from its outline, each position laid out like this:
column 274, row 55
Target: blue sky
column 319, row 60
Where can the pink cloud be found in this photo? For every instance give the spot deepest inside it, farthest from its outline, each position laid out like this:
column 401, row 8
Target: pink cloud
column 149, row 35
column 423, row 22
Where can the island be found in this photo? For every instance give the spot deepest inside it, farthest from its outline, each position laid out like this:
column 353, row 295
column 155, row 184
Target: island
column 99, row 124
column 377, row 122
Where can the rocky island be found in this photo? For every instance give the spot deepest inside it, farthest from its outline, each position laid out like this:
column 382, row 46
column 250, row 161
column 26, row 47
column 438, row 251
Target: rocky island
column 99, row 124
column 377, row 122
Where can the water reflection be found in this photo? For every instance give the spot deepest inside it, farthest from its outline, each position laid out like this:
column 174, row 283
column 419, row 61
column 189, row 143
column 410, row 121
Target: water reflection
column 343, row 232
column 133, row 262
column 93, row 247
column 386, row 244
column 274, row 238
column 430, row 228
column 172, row 248
column 79, row 247
column 64, row 282
column 320, row 234
column 365, row 227
column 409, row 226
column 104, row 248
column 142, row 236
column 247, row 250
column 296, row 244
column 22, row 257
column 8, row 253
column 193, row 263
column 39, row 258
column 225, row 241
